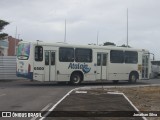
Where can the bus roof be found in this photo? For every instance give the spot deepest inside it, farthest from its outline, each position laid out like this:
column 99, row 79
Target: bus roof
column 84, row 46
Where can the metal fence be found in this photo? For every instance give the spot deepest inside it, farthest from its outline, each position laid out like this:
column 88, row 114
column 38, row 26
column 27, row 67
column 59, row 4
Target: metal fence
column 8, row 68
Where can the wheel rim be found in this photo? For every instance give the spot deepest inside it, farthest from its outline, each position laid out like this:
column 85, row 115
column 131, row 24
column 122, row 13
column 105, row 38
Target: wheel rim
column 76, row 79
column 133, row 77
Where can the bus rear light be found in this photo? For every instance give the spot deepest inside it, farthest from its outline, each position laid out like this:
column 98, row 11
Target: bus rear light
column 29, row 68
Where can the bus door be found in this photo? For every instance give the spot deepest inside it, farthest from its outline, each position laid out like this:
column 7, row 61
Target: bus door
column 145, row 66
column 101, row 66
column 49, row 67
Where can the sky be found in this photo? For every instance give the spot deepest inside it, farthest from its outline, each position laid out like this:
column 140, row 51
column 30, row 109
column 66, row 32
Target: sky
column 45, row 20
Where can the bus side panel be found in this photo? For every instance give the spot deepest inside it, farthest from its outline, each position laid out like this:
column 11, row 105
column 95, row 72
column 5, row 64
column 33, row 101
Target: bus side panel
column 38, row 73
column 38, row 70
column 63, row 73
column 116, row 72
column 65, row 69
column 121, row 71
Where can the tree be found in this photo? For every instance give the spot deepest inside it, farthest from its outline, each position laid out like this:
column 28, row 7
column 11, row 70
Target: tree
column 109, row 43
column 125, row 46
column 91, row 44
column 2, row 25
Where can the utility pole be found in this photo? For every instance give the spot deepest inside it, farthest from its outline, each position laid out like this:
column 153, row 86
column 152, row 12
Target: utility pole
column 18, row 36
column 127, row 27
column 65, row 32
column 15, row 41
column 97, row 36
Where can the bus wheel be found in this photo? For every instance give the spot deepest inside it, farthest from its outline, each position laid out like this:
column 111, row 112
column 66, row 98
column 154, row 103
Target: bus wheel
column 115, row 81
column 76, row 79
column 133, row 78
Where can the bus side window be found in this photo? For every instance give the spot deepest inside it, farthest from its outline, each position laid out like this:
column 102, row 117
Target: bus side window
column 104, row 60
column 131, row 57
column 66, row 54
column 116, row 56
column 38, row 53
column 83, row 55
column 52, row 58
column 98, row 59
column 47, row 58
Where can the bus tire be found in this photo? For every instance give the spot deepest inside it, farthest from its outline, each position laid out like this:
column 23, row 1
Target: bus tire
column 115, row 81
column 133, row 77
column 75, row 79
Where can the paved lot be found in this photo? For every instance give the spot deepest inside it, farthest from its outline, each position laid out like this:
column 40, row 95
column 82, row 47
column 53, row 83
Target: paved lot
column 94, row 105
column 30, row 96
column 23, row 95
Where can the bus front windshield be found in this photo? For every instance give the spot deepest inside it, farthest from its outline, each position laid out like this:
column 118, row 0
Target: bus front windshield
column 23, row 51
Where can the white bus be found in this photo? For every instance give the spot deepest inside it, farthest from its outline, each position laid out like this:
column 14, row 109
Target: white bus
column 76, row 63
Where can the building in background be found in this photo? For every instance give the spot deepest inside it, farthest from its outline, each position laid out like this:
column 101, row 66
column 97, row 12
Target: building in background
column 8, row 46
column 4, row 47
column 12, row 47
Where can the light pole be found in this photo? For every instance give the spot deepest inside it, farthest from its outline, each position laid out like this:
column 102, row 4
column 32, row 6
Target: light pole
column 127, row 27
column 18, row 36
column 65, row 32
column 15, row 41
column 97, row 36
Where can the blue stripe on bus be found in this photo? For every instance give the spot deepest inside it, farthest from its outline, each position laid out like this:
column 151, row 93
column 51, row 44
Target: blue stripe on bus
column 25, row 75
